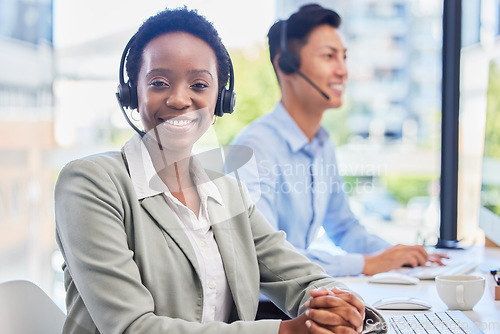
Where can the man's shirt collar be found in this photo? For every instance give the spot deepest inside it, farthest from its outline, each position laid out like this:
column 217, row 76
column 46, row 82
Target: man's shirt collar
column 293, row 135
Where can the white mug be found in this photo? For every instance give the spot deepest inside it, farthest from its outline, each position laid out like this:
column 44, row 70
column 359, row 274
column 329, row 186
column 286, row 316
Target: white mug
column 460, row 292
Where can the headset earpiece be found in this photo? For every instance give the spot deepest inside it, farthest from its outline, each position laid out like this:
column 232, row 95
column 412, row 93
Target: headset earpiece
column 289, row 62
column 227, row 97
column 127, row 95
column 225, row 102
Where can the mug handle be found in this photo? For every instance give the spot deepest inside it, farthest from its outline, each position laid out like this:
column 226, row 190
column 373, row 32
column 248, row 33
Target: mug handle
column 460, row 295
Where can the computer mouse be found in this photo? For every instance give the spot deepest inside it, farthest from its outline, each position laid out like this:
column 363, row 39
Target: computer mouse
column 393, row 278
column 401, row 303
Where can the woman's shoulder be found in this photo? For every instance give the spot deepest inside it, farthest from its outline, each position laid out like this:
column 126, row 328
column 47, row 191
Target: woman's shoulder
column 111, row 162
column 104, row 159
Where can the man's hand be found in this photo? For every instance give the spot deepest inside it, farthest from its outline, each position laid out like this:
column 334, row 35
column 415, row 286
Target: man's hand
column 398, row 256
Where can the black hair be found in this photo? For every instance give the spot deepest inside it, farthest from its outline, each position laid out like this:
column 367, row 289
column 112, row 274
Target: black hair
column 174, row 20
column 299, row 25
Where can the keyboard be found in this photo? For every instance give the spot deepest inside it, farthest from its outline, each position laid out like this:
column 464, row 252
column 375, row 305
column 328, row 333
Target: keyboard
column 449, row 322
column 431, row 271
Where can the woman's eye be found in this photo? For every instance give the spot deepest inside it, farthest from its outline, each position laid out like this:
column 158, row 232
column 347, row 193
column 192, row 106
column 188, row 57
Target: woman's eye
column 159, row 84
column 200, row 85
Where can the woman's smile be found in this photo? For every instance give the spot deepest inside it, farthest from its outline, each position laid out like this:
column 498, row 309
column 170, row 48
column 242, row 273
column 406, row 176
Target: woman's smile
column 179, row 124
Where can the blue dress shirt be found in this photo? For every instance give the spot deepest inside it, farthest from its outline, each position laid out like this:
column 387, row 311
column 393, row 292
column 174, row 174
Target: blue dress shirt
column 297, row 187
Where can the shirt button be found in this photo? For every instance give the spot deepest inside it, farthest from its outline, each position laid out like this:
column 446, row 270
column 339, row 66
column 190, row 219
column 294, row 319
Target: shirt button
column 211, row 285
column 203, row 244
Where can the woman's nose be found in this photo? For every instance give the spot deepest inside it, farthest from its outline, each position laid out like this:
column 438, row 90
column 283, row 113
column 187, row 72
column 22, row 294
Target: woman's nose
column 179, row 98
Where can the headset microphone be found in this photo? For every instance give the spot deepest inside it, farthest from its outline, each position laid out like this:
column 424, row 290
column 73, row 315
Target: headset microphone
column 289, row 62
column 313, row 84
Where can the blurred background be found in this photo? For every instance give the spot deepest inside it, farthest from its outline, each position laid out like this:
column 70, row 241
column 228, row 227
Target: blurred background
column 59, row 64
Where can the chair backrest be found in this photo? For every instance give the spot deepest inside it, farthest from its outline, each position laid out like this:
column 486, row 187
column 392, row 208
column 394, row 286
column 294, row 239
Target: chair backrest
column 26, row 309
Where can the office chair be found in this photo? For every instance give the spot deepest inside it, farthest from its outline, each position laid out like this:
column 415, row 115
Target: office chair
column 26, row 309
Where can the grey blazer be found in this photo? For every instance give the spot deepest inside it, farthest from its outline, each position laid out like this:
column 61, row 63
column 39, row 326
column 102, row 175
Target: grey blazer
column 130, row 268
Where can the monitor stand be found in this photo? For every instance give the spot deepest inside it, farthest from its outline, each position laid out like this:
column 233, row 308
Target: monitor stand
column 448, row 244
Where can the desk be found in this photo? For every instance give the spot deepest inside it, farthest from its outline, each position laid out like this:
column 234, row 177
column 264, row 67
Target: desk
column 486, row 313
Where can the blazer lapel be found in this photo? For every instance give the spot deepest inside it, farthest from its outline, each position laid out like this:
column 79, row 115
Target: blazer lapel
column 223, row 230
column 158, row 208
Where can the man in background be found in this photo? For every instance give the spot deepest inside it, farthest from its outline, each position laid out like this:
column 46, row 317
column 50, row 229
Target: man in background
column 297, row 175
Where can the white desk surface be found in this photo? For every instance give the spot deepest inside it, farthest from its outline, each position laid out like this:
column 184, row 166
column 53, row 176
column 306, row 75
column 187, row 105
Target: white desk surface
column 485, row 314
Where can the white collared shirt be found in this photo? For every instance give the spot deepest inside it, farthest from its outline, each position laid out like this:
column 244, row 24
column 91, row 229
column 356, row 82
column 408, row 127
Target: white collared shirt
column 217, row 299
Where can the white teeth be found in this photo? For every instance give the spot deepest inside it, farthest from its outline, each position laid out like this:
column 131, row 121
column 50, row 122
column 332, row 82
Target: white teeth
column 179, row 122
column 337, row 86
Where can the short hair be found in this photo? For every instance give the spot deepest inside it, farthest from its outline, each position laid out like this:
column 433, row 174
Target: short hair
column 299, row 25
column 177, row 20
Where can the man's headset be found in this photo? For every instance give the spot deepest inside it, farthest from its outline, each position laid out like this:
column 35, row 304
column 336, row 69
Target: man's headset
column 127, row 94
column 289, row 62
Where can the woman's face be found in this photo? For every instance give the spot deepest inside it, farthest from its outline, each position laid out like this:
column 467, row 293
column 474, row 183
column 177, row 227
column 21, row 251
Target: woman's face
column 177, row 89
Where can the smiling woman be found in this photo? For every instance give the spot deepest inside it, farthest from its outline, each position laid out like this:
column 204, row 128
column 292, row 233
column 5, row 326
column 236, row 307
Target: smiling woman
column 177, row 90
column 155, row 242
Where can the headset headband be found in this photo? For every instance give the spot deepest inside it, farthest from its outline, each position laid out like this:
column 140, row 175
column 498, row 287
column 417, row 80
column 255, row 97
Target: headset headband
column 283, row 36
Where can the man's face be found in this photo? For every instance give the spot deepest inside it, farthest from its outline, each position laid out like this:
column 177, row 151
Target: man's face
column 323, row 60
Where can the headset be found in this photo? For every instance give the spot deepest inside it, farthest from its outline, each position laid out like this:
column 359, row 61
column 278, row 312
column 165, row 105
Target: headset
column 126, row 93
column 289, row 62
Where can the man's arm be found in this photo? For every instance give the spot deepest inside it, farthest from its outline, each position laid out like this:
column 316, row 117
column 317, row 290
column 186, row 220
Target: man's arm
column 345, row 230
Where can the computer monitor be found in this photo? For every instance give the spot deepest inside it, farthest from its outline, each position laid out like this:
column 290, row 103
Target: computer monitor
column 489, row 213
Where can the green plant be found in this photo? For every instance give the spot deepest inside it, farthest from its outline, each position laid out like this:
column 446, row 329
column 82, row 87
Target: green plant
column 256, row 90
column 405, row 187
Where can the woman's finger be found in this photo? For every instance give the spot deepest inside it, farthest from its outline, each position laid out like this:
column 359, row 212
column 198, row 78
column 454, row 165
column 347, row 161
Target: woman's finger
column 314, row 328
column 337, row 305
column 326, row 317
